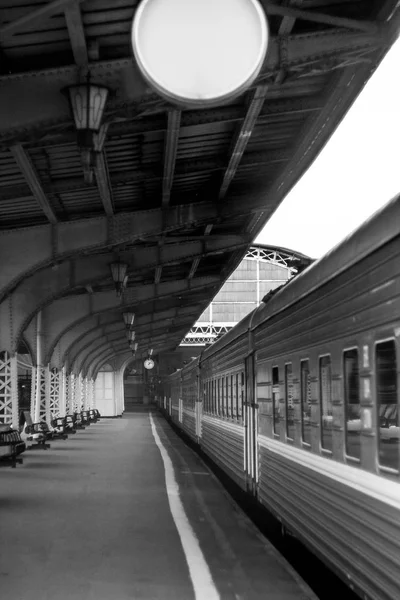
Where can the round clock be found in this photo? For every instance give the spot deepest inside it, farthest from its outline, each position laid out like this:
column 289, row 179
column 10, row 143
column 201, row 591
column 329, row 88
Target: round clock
column 148, row 363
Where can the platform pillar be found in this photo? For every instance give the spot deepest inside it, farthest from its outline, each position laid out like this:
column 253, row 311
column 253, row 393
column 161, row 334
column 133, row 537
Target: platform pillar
column 71, row 393
column 53, row 394
column 92, row 397
column 62, row 393
column 8, row 389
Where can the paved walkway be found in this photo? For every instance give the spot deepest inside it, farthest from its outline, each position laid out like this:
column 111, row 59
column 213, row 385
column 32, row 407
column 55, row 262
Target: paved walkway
column 90, row 519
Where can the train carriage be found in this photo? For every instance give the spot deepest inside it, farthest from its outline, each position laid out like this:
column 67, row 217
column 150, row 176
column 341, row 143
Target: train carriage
column 300, row 405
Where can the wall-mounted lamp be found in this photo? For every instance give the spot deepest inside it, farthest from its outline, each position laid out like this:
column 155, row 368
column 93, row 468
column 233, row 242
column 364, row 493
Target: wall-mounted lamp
column 129, row 317
column 120, row 278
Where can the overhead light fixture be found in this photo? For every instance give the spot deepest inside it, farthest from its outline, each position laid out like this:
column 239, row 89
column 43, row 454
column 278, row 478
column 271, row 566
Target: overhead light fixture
column 129, row 317
column 120, row 278
column 99, row 137
column 131, row 335
column 88, row 101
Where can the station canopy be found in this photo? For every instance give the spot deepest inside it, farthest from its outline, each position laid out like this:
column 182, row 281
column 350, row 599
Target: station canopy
column 139, row 203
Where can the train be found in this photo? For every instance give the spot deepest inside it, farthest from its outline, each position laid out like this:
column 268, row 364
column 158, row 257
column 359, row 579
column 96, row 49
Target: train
column 299, row 405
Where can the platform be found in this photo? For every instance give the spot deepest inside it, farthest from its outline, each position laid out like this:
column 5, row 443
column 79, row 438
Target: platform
column 90, row 519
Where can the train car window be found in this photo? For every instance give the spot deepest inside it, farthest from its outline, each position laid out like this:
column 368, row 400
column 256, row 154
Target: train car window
column 325, row 398
column 230, row 382
column 241, row 402
column 237, row 396
column 289, row 408
column 228, row 396
column 276, row 410
column 213, row 402
column 305, row 399
column 386, row 394
column 234, row 405
column 352, row 403
column 223, row 396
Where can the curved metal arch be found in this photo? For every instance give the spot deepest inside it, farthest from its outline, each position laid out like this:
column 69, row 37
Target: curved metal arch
column 45, row 245
column 91, row 336
column 74, row 332
column 143, row 320
column 278, row 255
column 42, row 288
column 132, row 299
column 77, row 363
column 106, row 354
column 101, row 363
column 95, row 353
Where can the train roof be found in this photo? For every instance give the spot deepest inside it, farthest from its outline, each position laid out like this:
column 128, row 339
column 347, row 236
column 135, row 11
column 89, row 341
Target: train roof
column 379, row 229
column 240, row 329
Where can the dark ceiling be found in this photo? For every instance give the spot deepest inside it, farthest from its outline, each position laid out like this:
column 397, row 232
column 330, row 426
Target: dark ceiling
column 188, row 189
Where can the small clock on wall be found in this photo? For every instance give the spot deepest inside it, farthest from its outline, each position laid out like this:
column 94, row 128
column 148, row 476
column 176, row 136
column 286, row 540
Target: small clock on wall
column 148, row 363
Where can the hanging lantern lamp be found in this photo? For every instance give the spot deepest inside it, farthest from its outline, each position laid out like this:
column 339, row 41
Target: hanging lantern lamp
column 87, row 101
column 120, row 278
column 129, row 317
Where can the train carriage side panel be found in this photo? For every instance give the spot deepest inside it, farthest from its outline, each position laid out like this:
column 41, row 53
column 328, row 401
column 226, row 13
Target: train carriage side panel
column 223, row 417
column 344, row 504
column 190, row 397
column 348, row 516
column 176, row 396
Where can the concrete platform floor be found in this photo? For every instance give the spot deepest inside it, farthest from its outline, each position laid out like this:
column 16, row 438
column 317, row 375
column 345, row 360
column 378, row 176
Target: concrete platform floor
column 90, row 519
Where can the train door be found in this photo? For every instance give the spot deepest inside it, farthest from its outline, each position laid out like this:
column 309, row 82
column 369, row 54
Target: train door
column 251, row 428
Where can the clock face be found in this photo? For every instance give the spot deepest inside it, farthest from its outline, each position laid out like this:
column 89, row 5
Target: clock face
column 148, row 363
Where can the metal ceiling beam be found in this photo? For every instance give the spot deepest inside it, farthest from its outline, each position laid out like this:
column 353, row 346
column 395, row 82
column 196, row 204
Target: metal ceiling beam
column 315, row 17
column 43, row 12
column 76, row 33
column 243, row 137
column 28, row 117
column 75, row 345
column 103, row 183
column 187, row 167
column 170, row 149
column 32, row 179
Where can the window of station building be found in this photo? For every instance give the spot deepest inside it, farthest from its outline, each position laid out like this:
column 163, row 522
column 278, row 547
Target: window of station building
column 325, row 398
column 387, row 401
column 352, row 408
column 305, row 399
column 276, row 409
column 289, row 406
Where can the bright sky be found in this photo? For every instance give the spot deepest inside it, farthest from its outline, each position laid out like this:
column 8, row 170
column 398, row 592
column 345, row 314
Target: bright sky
column 356, row 173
